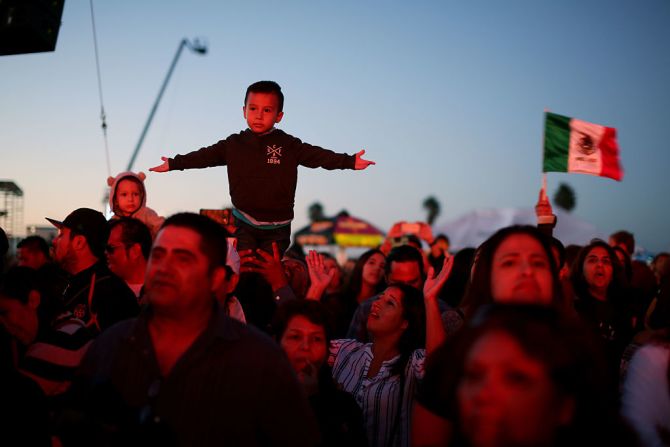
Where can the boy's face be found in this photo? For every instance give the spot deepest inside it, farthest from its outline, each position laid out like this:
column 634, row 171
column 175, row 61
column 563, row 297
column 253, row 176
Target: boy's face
column 262, row 111
column 128, row 197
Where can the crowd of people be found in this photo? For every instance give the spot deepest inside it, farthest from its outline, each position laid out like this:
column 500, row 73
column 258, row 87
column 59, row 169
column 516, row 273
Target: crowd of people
column 186, row 331
column 114, row 337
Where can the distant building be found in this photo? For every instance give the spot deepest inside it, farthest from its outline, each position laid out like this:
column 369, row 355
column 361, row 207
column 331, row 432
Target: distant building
column 11, row 211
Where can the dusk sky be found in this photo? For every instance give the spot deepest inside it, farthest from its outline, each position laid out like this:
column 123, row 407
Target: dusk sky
column 446, row 97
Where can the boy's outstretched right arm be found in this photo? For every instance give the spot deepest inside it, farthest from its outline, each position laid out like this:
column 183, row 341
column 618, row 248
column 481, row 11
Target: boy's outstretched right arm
column 214, row 155
column 163, row 167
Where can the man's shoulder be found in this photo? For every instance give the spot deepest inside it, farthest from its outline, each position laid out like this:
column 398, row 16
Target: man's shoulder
column 106, row 280
column 118, row 332
column 109, row 346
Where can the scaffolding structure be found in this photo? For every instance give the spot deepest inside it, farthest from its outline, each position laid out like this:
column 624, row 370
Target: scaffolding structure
column 11, row 208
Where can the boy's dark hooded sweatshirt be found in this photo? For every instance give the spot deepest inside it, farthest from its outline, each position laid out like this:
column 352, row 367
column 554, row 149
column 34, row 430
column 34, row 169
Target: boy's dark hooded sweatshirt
column 263, row 169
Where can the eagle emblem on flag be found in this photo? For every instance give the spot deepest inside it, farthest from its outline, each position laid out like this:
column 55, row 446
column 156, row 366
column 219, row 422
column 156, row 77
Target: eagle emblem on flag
column 586, row 145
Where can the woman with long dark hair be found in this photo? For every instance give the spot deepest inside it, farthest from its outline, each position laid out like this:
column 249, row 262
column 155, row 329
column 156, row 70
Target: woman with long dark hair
column 366, row 280
column 367, row 277
column 514, row 265
column 404, row 325
column 603, row 302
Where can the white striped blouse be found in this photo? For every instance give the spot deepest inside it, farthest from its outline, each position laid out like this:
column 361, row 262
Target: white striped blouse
column 377, row 396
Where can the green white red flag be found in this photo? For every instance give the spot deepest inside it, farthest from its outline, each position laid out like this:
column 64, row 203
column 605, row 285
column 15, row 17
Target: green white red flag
column 572, row 145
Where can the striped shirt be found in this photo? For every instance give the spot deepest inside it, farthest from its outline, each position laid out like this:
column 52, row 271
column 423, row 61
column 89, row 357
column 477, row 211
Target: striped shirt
column 377, row 396
column 54, row 358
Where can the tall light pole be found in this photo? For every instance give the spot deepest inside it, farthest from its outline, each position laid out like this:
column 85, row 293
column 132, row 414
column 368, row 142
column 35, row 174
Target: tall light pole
column 197, row 48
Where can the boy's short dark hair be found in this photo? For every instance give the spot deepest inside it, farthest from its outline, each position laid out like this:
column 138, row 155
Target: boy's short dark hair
column 266, row 87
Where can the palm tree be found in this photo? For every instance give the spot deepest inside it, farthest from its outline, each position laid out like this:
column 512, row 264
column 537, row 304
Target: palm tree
column 315, row 212
column 565, row 197
column 432, row 207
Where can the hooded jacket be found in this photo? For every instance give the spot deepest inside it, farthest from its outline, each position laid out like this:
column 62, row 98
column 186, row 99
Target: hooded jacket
column 263, row 169
column 145, row 214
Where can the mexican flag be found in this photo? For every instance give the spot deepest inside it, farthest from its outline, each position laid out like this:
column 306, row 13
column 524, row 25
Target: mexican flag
column 572, row 145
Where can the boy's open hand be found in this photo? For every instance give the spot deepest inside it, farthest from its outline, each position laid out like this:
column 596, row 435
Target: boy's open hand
column 361, row 163
column 163, row 167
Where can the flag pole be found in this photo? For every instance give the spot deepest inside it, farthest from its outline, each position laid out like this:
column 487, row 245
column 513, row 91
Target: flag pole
column 544, row 174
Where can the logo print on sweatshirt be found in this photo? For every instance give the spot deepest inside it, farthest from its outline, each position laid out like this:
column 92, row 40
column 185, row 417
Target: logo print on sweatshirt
column 273, row 153
column 80, row 311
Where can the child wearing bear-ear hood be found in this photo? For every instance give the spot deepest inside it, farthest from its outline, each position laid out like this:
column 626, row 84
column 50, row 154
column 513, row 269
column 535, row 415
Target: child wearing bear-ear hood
column 128, row 198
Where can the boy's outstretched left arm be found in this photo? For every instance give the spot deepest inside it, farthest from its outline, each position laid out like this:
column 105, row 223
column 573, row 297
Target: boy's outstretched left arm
column 362, row 163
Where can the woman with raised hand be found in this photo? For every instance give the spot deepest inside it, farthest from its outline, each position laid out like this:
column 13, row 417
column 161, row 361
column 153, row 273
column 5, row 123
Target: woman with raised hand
column 382, row 376
column 334, row 298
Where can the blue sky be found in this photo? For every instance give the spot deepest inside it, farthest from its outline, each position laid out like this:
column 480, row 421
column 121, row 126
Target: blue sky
column 447, row 97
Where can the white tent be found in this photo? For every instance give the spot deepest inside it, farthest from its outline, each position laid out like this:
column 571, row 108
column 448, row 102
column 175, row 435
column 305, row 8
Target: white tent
column 475, row 227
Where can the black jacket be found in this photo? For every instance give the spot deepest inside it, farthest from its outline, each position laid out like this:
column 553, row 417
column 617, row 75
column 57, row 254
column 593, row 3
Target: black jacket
column 263, row 170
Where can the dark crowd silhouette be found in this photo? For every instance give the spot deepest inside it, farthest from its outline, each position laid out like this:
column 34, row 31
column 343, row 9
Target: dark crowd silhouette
column 110, row 337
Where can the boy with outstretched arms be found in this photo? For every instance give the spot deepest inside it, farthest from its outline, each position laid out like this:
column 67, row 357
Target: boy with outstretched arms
column 263, row 168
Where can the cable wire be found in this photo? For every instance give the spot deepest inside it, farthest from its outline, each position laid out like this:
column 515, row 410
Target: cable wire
column 103, row 117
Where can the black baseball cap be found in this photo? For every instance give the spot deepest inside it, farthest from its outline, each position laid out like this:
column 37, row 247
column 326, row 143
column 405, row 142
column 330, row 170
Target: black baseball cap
column 89, row 223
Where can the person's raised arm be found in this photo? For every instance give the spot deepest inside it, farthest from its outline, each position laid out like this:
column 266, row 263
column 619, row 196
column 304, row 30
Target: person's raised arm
column 361, row 163
column 435, row 333
column 546, row 220
column 163, row 167
column 268, row 265
column 318, row 275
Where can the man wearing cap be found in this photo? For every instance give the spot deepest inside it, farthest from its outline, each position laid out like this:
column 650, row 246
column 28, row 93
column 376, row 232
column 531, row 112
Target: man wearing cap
column 93, row 294
column 92, row 299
